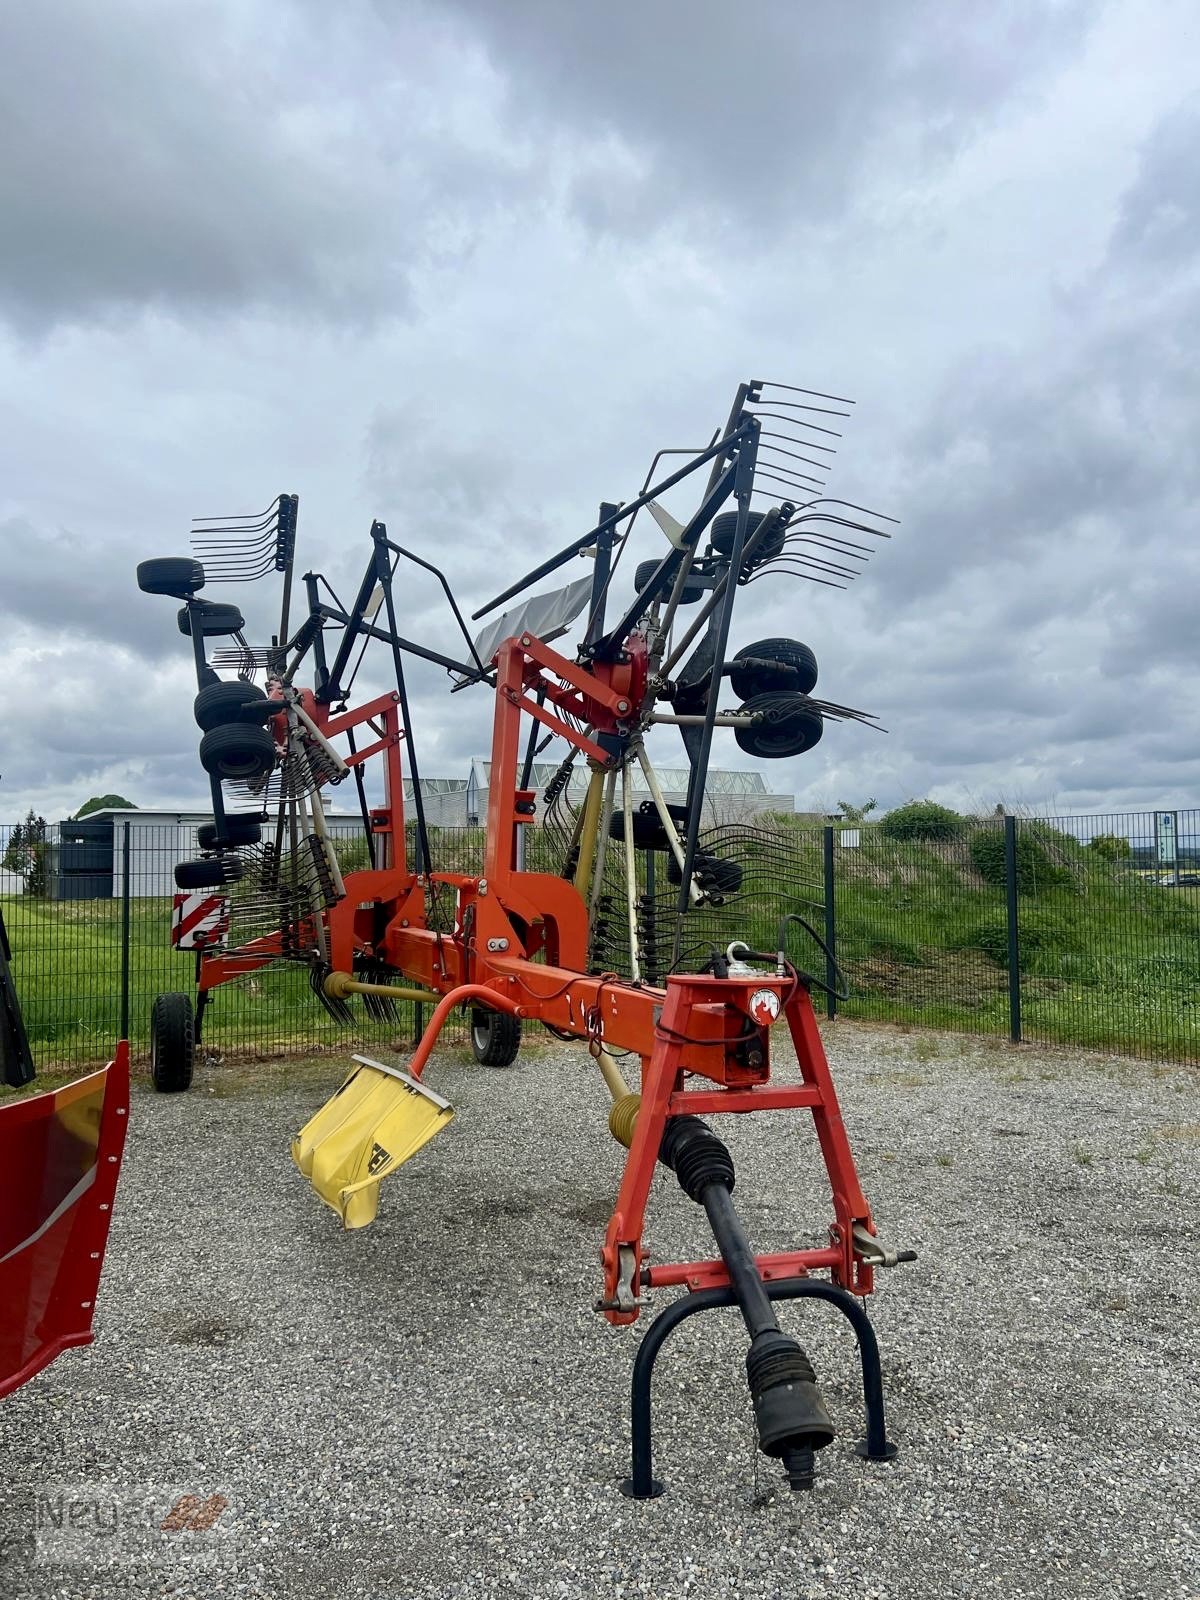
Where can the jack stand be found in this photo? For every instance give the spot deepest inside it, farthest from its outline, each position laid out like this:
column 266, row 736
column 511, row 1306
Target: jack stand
column 642, row 1484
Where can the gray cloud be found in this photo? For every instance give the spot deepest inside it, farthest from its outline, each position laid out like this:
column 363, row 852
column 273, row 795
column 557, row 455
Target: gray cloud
column 760, row 114
column 197, row 160
column 342, row 254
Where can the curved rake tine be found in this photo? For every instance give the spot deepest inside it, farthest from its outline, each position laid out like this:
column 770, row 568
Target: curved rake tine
column 793, row 388
column 798, row 405
column 832, row 500
column 772, row 433
column 799, row 422
column 244, row 517
column 796, row 572
column 830, row 541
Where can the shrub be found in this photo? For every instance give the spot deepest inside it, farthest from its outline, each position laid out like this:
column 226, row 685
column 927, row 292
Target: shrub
column 1111, row 846
column 922, row 819
column 1036, row 869
column 1041, row 940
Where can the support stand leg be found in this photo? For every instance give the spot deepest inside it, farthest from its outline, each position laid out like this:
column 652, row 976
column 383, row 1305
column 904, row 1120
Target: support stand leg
column 642, row 1484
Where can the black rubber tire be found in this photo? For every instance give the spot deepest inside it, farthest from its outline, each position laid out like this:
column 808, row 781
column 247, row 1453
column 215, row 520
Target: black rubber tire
column 712, row 873
column 232, row 702
column 213, row 617
column 791, row 725
column 495, row 1037
column 724, row 527
column 648, row 830
column 172, row 1043
column 214, row 872
column 237, row 751
column 239, row 831
column 797, row 668
column 692, row 590
column 177, row 576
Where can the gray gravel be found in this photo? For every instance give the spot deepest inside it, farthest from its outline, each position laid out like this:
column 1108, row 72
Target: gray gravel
column 430, row 1407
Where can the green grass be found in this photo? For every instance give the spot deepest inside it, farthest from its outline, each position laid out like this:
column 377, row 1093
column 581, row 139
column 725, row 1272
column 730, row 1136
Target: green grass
column 1108, row 959
column 67, row 966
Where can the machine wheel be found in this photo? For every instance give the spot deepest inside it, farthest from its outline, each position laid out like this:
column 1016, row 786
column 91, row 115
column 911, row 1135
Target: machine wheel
column 495, row 1037
column 790, row 724
column 177, row 576
column 795, row 668
column 212, row 617
column 214, row 872
column 239, row 831
column 231, row 702
column 645, row 570
column 172, row 1043
column 725, row 526
column 237, row 751
column 712, row 872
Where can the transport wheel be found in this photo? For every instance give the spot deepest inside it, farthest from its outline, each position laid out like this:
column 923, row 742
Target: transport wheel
column 712, row 872
column 232, row 702
column 239, row 831
column 214, row 872
column 795, row 667
column 178, row 576
column 172, row 1043
column 495, row 1037
column 645, row 570
column 212, row 617
column 725, row 526
column 237, row 750
column 789, row 725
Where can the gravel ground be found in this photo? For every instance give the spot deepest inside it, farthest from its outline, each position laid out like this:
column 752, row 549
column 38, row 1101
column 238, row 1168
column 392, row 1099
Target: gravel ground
column 429, row 1407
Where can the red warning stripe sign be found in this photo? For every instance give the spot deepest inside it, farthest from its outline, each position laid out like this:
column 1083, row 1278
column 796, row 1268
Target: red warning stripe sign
column 199, row 920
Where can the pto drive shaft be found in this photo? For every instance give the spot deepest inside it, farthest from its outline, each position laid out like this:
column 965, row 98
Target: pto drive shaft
column 788, row 1410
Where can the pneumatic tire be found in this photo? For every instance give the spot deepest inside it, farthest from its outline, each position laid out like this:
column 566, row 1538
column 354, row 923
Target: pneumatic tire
column 794, row 667
column 786, row 725
column 239, row 832
column 725, row 526
column 645, row 570
column 214, row 872
column 177, row 576
column 232, row 702
column 172, row 1043
column 495, row 1037
column 237, row 752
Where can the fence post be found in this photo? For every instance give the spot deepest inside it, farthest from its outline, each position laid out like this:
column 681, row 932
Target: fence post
column 125, row 930
column 1014, row 941
column 830, row 928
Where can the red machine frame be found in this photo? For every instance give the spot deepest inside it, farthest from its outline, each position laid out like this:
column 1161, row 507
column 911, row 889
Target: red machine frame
column 520, row 946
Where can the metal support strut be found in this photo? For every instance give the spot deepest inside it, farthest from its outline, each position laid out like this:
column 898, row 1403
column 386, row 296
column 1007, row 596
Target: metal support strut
column 642, row 1484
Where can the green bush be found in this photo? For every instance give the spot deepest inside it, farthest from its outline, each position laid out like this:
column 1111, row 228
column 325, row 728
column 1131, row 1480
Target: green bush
column 1042, row 940
column 1111, row 846
column 922, row 819
column 1036, row 868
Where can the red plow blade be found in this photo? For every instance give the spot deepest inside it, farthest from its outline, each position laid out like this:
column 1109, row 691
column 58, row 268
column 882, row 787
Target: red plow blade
column 60, row 1154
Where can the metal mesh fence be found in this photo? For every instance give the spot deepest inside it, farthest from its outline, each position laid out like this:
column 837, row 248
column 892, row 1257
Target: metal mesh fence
column 1102, row 915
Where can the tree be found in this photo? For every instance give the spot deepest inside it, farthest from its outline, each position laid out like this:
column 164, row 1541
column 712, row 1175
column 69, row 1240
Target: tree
column 1111, row 846
column 922, row 819
column 848, row 813
column 26, row 853
column 103, row 802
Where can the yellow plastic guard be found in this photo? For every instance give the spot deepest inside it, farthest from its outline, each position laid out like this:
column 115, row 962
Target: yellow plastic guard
column 376, row 1120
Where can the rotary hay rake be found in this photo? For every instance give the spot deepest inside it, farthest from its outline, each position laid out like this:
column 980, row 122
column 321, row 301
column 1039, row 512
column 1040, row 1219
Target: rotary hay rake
column 601, row 950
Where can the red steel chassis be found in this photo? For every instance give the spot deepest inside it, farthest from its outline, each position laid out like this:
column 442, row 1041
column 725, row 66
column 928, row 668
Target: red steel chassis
column 520, row 945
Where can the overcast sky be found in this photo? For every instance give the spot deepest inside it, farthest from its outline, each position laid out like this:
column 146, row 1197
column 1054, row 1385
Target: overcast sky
column 466, row 266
